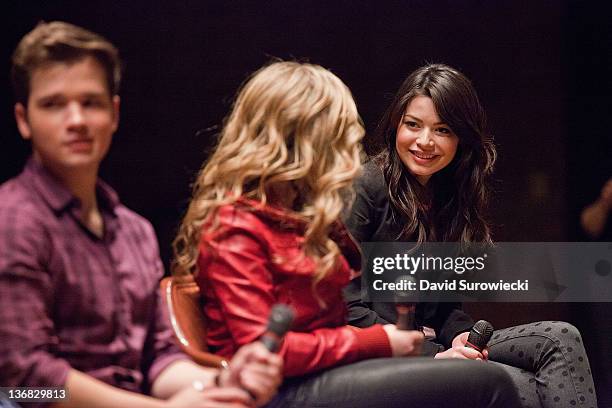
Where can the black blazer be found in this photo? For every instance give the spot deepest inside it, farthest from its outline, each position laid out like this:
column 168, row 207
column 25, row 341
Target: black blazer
column 370, row 220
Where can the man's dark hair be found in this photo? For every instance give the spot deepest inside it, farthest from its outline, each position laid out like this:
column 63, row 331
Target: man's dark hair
column 61, row 42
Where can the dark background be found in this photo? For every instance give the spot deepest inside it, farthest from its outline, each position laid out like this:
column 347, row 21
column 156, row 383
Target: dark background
column 542, row 70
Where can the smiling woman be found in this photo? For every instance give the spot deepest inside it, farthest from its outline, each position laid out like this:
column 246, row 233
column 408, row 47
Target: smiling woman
column 435, row 141
column 430, row 184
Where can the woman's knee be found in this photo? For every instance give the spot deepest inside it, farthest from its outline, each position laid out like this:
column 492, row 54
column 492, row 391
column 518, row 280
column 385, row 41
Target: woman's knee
column 570, row 332
column 562, row 333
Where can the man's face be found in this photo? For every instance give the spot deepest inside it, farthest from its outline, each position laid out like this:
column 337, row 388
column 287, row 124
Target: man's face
column 70, row 115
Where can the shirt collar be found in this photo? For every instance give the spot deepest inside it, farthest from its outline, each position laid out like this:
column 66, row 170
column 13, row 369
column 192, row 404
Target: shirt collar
column 57, row 195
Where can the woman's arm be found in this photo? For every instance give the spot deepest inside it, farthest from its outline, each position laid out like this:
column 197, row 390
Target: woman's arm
column 362, row 221
column 360, row 313
column 449, row 321
column 239, row 277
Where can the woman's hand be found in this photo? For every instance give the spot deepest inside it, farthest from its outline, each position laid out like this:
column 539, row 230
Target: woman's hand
column 459, row 350
column 256, row 370
column 404, row 342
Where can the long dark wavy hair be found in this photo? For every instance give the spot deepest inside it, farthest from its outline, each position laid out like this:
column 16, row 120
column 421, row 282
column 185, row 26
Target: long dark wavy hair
column 451, row 206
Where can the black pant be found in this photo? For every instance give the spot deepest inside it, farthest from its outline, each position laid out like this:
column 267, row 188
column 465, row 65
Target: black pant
column 401, row 382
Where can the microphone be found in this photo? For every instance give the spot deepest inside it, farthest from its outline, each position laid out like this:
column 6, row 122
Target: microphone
column 479, row 335
column 404, row 307
column 279, row 322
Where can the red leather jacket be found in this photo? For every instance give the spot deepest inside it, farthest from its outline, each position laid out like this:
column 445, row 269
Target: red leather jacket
column 253, row 260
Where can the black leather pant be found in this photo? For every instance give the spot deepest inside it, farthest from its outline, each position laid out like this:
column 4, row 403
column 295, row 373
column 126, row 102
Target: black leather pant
column 402, row 382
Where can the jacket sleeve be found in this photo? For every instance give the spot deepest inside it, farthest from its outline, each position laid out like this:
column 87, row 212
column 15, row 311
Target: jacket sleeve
column 27, row 329
column 360, row 313
column 362, row 221
column 451, row 321
column 364, row 216
column 243, row 284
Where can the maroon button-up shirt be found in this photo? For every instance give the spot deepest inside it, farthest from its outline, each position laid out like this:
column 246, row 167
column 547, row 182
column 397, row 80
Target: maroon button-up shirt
column 70, row 299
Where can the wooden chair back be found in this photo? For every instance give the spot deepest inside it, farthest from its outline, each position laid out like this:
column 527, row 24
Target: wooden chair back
column 181, row 296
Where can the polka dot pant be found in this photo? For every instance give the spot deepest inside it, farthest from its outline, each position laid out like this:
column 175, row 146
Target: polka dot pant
column 547, row 362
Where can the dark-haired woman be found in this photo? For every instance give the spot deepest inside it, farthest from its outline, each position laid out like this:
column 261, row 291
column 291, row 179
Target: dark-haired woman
column 430, row 183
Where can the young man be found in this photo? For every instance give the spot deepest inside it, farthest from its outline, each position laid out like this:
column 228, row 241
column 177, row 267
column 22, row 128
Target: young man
column 79, row 271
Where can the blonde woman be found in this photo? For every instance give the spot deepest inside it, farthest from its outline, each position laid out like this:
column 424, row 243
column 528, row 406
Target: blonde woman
column 263, row 228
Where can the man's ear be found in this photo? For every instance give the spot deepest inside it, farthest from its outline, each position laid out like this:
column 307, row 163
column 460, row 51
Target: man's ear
column 116, row 104
column 21, row 117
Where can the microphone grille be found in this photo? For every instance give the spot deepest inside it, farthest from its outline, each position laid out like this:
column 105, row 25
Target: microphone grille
column 404, row 295
column 280, row 320
column 480, row 333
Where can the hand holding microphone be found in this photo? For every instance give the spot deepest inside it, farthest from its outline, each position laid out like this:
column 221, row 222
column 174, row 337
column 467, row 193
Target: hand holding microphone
column 472, row 345
column 279, row 323
column 404, row 306
column 404, row 339
column 479, row 335
column 255, row 367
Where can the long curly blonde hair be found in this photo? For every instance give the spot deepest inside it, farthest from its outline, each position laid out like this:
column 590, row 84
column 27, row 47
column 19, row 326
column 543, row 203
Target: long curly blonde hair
column 292, row 124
